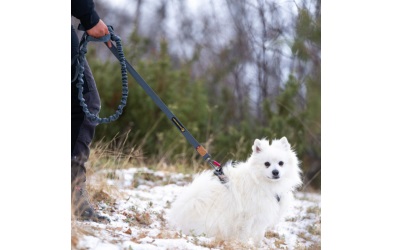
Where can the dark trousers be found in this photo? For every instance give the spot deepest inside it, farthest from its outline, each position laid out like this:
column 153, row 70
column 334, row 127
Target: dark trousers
column 82, row 130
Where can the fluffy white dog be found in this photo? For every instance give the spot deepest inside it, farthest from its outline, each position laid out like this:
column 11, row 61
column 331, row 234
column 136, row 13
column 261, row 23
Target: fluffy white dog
column 256, row 196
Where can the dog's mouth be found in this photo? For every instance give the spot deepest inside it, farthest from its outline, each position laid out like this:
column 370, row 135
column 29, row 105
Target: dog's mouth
column 274, row 177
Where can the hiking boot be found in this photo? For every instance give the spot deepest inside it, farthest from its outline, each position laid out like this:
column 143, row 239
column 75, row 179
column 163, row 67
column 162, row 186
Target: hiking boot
column 81, row 206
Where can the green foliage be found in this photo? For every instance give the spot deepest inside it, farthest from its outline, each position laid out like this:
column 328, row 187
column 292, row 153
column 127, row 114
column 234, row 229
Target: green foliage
column 307, row 47
column 208, row 106
column 287, row 120
column 308, row 30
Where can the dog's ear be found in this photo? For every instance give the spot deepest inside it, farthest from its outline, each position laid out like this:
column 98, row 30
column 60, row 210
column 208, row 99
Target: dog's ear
column 257, row 146
column 285, row 143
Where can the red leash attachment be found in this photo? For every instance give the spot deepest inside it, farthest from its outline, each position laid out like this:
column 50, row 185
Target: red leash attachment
column 216, row 163
column 218, row 170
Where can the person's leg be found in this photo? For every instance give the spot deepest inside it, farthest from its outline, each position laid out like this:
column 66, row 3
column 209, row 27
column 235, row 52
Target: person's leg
column 82, row 132
column 82, row 129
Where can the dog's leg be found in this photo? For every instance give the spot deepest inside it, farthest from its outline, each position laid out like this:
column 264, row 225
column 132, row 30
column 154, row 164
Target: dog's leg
column 258, row 232
column 285, row 204
column 247, row 231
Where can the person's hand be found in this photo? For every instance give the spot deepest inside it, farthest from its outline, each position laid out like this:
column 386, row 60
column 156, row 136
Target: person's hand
column 99, row 30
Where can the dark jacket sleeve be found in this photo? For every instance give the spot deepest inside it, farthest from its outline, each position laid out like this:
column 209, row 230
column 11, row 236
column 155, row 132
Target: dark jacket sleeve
column 85, row 12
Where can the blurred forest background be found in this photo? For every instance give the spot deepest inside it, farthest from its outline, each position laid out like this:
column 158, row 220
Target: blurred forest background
column 230, row 70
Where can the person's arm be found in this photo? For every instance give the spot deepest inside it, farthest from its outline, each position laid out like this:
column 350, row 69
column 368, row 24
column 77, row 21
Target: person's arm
column 85, row 11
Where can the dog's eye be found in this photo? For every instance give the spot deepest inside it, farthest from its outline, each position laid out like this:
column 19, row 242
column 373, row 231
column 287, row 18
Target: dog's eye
column 280, row 163
column 267, row 164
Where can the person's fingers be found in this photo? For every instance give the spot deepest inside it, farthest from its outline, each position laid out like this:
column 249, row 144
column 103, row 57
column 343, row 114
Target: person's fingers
column 99, row 30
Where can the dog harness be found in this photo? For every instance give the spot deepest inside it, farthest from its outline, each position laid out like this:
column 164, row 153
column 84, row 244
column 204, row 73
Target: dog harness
column 220, row 174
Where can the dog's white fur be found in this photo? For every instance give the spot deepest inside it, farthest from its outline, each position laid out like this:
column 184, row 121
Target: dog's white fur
column 247, row 205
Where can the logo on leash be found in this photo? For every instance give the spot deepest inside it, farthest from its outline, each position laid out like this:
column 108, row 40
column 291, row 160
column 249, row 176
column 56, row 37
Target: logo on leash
column 178, row 124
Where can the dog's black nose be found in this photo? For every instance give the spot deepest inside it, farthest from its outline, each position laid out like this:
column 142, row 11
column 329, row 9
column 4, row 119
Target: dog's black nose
column 275, row 172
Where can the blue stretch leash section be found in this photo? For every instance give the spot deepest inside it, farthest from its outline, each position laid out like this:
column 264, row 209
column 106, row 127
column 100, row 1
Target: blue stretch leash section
column 120, row 56
column 118, row 53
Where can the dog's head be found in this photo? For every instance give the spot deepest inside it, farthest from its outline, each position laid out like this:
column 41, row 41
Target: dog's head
column 275, row 161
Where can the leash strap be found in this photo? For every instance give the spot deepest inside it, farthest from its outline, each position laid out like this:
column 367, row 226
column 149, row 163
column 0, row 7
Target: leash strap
column 117, row 52
column 150, row 92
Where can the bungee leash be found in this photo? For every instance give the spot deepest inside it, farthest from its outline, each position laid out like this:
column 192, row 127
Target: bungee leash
column 80, row 71
column 118, row 53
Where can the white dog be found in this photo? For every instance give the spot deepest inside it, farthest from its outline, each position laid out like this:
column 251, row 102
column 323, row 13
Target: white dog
column 256, row 196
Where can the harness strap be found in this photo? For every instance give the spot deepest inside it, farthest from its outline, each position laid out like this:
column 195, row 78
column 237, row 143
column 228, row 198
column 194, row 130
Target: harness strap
column 220, row 174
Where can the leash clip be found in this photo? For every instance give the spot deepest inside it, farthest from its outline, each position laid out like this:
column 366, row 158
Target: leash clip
column 218, row 170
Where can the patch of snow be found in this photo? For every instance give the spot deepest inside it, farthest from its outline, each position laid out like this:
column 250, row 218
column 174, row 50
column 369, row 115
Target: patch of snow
column 138, row 218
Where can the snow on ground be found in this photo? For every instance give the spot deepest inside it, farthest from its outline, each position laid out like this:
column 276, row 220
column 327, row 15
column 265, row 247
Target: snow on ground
column 137, row 199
